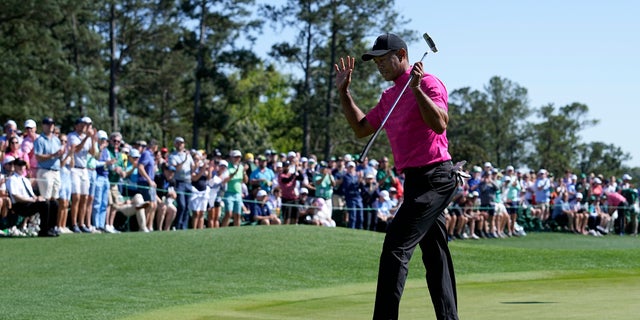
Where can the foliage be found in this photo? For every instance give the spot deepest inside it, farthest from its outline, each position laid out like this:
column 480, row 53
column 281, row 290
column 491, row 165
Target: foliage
column 189, row 68
column 326, row 28
column 489, row 125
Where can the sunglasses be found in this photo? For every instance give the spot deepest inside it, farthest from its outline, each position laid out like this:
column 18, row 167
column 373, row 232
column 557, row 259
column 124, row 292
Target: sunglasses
column 15, row 142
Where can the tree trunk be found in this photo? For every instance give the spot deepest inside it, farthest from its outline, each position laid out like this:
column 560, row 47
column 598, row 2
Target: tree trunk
column 196, row 98
column 112, row 69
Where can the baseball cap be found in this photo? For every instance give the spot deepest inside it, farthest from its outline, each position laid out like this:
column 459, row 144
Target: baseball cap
column 84, row 120
column 384, row 44
column 134, row 153
column 291, row 154
column 235, row 153
column 178, row 139
column 223, row 163
column 347, row 157
column 8, row 159
column 279, row 164
column 626, row 176
column 351, row 164
column 303, row 159
column 488, row 164
column 304, row 191
column 102, row 135
column 385, row 194
column 171, row 168
column 261, row 193
column 48, row 120
column 262, row 158
column 30, row 124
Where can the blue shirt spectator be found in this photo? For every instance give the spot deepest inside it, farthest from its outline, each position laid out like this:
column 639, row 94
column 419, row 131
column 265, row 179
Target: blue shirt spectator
column 47, row 145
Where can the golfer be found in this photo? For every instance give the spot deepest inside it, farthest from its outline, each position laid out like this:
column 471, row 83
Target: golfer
column 417, row 134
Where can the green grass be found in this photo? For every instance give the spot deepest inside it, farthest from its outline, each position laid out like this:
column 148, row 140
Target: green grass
column 301, row 272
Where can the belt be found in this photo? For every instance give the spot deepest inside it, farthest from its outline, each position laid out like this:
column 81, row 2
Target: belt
column 426, row 168
column 78, row 167
column 49, row 169
column 183, row 181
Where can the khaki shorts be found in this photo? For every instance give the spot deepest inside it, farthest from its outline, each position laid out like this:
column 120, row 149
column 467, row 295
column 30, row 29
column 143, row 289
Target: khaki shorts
column 49, row 183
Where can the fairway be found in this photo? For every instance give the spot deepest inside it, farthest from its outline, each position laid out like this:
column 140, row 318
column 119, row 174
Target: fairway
column 533, row 299
column 303, row 272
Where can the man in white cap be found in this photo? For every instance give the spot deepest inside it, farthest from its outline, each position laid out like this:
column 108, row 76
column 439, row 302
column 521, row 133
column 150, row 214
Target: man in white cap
column 542, row 189
column 82, row 140
column 103, row 162
column 181, row 159
column 233, row 195
column 260, row 211
column 10, row 130
column 26, row 146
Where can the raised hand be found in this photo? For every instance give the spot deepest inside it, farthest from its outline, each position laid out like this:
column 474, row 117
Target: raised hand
column 344, row 68
column 417, row 72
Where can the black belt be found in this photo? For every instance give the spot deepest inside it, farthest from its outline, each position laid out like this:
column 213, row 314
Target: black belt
column 49, row 169
column 183, row 181
column 426, row 168
column 77, row 167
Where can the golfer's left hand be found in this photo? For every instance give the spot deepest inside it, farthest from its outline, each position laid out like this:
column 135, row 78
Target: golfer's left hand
column 417, row 73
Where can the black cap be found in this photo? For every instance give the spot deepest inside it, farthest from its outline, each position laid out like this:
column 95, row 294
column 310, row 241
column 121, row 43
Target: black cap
column 48, row 120
column 384, row 44
column 19, row 162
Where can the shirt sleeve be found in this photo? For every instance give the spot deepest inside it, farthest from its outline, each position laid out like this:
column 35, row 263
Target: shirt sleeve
column 436, row 91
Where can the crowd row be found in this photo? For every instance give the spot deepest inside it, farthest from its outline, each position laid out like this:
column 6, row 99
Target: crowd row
column 90, row 181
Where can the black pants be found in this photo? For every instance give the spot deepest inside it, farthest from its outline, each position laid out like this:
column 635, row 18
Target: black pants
column 419, row 221
column 48, row 210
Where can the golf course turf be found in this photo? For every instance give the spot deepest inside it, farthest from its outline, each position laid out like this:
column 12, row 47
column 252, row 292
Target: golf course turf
column 304, row 272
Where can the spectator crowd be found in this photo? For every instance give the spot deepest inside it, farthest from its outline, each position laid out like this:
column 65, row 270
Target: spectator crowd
column 91, row 181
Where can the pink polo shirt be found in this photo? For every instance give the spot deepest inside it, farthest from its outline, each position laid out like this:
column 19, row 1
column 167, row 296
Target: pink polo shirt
column 614, row 199
column 413, row 142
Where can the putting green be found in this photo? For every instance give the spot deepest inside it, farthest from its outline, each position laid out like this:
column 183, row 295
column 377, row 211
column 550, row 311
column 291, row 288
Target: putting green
column 516, row 295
